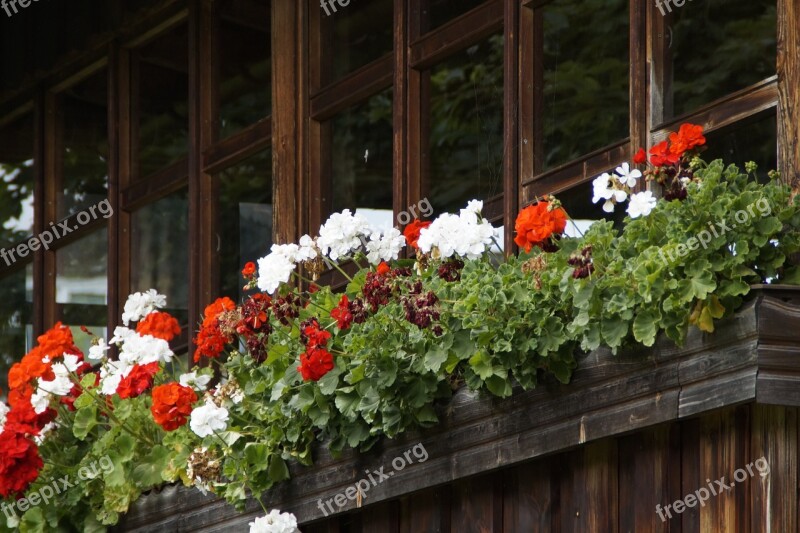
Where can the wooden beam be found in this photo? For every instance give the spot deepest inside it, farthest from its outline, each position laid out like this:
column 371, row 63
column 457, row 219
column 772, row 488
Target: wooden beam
column 788, row 69
column 511, row 133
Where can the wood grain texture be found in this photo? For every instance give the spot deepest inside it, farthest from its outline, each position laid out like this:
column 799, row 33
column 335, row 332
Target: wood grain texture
column 788, row 69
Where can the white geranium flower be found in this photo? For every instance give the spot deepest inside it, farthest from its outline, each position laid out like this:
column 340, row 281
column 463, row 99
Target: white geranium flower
column 111, row 374
column 141, row 304
column 121, row 335
column 71, row 362
column 474, row 206
column 98, row 351
column 462, row 235
column 207, row 419
column 342, row 234
column 273, row 270
column 4, row 409
column 385, row 245
column 144, row 349
column 275, row 522
column 191, row 379
column 307, row 251
column 602, row 188
column 641, row 204
column 626, row 176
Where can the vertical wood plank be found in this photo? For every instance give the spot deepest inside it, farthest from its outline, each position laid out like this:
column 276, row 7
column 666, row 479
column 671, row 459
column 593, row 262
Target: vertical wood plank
column 590, row 489
column 113, row 298
column 40, row 138
column 638, row 86
column 511, row 134
column 399, row 106
column 477, row 504
column 527, row 497
column 649, row 475
column 660, row 59
column 287, row 92
column 426, row 512
column 122, row 229
column 774, row 437
column 526, row 118
column 383, row 517
column 788, row 69
column 52, row 169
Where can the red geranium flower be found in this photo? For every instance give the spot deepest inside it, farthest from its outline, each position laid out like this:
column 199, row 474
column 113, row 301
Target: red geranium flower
column 537, row 223
column 172, row 405
column 160, row 325
column 315, row 363
column 383, row 268
column 689, row 136
column 19, row 463
column 342, row 313
column 412, row 231
column 660, row 155
column 210, row 340
column 138, row 380
column 316, row 337
column 641, row 157
column 249, row 269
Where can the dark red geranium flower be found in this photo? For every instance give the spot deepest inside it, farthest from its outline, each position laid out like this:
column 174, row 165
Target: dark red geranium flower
column 138, row 380
column 315, row 363
column 19, row 463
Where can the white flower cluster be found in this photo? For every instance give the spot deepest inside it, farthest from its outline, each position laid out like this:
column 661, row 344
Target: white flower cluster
column 134, row 349
column 385, row 245
column 195, row 381
column 277, row 267
column 275, row 522
column 467, row 234
column 60, row 385
column 208, row 418
column 615, row 188
column 342, row 234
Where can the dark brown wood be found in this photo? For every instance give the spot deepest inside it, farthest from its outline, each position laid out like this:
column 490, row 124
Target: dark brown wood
column 460, row 33
column 241, row 145
column 775, row 438
column 122, row 227
column 39, row 190
column 788, row 69
column 113, row 299
column 400, row 193
column 288, row 93
column 511, row 132
column 356, row 87
column 52, row 180
column 161, row 183
column 638, row 81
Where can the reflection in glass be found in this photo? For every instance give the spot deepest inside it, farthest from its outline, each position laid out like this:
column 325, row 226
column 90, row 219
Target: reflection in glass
column 356, row 36
column 160, row 251
column 438, row 12
column 466, row 127
column 719, row 47
column 163, row 93
column 362, row 156
column 585, row 89
column 82, row 286
column 16, row 320
column 16, row 181
column 245, row 67
column 245, row 219
column 751, row 140
column 83, row 112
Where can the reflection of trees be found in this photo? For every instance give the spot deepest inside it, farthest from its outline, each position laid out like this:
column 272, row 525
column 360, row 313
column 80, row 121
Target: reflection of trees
column 245, row 229
column 358, row 182
column 16, row 191
column 15, row 314
column 720, row 47
column 586, row 77
column 466, row 137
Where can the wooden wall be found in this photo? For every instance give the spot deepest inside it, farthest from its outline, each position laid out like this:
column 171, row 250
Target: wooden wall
column 613, row 485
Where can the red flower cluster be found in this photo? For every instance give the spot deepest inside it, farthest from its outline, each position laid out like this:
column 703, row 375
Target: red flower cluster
column 210, row 340
column 160, row 325
column 412, row 231
column 172, row 405
column 582, row 263
column 254, row 325
column 249, row 270
column 19, row 463
column 348, row 312
column 138, row 380
column 421, row 309
column 316, row 361
column 538, row 224
column 451, row 270
column 669, row 153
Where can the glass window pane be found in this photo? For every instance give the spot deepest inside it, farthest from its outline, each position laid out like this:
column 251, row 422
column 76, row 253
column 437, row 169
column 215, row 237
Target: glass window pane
column 354, row 35
column 16, row 320
column 437, row 12
column 245, row 66
column 163, row 94
column 362, row 158
column 719, row 47
column 750, row 140
column 245, row 219
column 585, row 93
column 83, row 116
column 465, row 152
column 160, row 251
column 16, row 182
column 82, row 286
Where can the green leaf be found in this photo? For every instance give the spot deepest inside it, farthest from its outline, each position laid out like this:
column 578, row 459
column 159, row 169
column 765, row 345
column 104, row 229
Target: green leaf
column 278, row 470
column 614, row 331
column 499, row 386
column 85, row 421
column 645, row 327
column 148, row 473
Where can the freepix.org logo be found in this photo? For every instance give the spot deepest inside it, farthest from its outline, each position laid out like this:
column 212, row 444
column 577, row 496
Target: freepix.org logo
column 9, row 5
